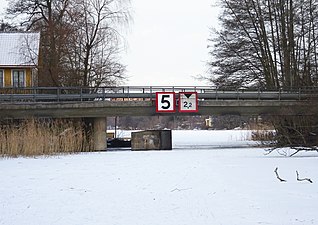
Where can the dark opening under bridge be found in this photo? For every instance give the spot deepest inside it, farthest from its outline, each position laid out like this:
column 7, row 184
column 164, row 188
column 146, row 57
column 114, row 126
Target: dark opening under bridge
column 99, row 103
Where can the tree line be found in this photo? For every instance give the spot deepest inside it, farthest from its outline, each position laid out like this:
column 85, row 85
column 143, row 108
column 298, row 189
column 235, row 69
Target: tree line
column 270, row 44
column 262, row 43
column 80, row 39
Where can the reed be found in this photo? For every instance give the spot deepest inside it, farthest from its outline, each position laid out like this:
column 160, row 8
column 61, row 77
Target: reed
column 43, row 137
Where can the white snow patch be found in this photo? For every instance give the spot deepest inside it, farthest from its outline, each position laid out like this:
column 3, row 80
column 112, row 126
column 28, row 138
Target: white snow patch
column 178, row 187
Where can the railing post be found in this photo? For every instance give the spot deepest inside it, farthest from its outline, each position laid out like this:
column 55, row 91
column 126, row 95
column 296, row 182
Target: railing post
column 216, row 94
column 81, row 94
column 104, row 93
column 150, row 89
column 34, row 93
column 11, row 96
column 58, row 94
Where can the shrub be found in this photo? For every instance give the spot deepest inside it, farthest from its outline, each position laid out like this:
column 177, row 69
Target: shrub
column 43, row 137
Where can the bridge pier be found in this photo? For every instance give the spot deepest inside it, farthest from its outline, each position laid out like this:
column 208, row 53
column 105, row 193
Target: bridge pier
column 99, row 133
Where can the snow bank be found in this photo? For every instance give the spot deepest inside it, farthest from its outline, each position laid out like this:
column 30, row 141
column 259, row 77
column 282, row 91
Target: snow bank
column 199, row 139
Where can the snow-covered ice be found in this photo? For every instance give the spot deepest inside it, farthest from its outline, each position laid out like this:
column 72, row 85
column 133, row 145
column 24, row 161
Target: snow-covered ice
column 206, row 179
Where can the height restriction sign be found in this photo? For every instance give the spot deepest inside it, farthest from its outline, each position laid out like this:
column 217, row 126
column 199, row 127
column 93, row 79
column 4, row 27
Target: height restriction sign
column 165, row 102
column 188, row 102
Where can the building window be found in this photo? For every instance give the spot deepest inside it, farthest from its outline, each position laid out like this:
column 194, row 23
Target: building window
column 1, row 79
column 18, row 78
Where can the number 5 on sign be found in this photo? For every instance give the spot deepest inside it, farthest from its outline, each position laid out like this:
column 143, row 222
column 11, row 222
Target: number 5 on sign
column 165, row 102
column 188, row 102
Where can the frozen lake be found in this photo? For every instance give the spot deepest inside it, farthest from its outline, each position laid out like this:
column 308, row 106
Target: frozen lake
column 205, row 139
column 208, row 178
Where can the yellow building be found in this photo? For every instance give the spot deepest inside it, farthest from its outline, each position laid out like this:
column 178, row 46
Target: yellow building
column 18, row 59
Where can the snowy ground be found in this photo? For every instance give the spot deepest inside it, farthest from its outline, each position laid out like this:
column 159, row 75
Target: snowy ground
column 197, row 183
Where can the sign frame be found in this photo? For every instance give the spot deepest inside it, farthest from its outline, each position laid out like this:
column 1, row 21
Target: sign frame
column 182, row 107
column 166, row 98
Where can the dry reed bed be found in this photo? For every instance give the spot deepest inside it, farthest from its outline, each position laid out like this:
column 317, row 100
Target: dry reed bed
column 49, row 137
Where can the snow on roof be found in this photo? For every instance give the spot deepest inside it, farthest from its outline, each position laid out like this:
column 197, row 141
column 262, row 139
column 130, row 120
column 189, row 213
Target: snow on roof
column 19, row 49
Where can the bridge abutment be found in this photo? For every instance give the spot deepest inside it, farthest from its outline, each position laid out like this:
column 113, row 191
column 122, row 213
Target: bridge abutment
column 99, row 133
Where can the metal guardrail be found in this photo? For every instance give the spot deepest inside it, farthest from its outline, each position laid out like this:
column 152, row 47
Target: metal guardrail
column 139, row 93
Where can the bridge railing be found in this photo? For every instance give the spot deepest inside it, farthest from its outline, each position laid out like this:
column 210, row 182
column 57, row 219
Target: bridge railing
column 138, row 93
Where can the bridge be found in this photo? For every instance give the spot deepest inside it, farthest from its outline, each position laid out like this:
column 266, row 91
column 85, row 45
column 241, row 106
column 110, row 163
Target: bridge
column 99, row 103
column 70, row 102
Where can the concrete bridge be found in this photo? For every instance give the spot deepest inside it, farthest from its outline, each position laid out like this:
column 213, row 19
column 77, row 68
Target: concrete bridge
column 99, row 103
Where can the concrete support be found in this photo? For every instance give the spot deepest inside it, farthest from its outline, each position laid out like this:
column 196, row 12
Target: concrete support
column 99, row 136
column 151, row 140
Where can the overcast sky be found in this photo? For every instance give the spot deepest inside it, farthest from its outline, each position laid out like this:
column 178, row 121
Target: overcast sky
column 166, row 44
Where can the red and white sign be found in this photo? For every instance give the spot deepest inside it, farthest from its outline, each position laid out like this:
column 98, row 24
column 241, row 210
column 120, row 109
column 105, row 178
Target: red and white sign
column 188, row 102
column 165, row 102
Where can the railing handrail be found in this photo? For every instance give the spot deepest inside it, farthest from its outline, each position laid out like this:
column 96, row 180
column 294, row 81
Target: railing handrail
column 127, row 87
column 36, row 94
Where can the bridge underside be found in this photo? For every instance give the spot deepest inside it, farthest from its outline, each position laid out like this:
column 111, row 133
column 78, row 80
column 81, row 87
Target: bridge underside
column 147, row 108
column 100, row 110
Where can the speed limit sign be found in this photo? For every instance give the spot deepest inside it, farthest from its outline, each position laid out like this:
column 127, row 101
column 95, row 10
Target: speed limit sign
column 165, row 102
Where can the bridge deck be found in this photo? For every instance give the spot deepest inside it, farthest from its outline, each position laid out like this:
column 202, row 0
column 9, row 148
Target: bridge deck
column 140, row 101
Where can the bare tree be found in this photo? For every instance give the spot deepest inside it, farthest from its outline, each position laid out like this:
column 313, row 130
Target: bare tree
column 266, row 43
column 47, row 17
column 7, row 27
column 79, row 39
column 95, row 46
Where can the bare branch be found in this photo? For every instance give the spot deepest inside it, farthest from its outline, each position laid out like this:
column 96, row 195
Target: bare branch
column 278, row 177
column 303, row 179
